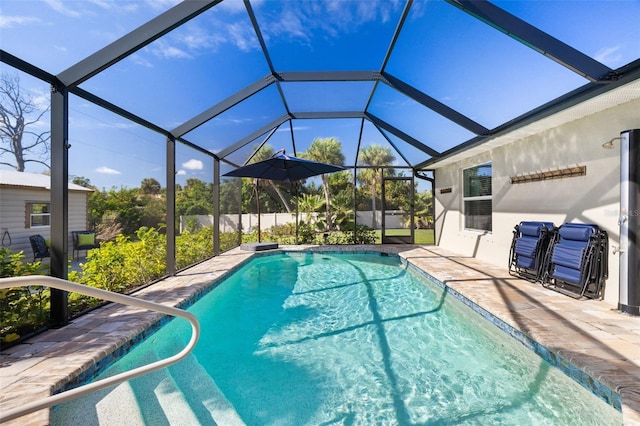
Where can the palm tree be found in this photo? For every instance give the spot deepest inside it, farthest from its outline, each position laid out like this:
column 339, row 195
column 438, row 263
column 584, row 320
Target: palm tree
column 374, row 155
column 310, row 203
column 264, row 153
column 326, row 150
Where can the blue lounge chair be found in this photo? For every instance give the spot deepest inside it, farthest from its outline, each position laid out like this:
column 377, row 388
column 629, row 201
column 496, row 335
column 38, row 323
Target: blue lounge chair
column 577, row 260
column 528, row 249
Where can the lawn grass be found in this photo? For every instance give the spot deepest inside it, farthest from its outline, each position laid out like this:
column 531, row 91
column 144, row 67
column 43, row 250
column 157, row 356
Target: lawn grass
column 425, row 236
column 421, row 236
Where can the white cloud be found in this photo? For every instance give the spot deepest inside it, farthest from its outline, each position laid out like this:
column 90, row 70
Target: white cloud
column 291, row 24
column 11, row 21
column 139, row 60
column 199, row 39
column 295, row 129
column 193, row 164
column 609, row 55
column 113, row 6
column 232, row 6
column 107, row 171
column 103, row 4
column 162, row 4
column 114, row 125
column 164, row 50
column 181, row 173
column 327, row 19
column 243, row 36
column 61, row 8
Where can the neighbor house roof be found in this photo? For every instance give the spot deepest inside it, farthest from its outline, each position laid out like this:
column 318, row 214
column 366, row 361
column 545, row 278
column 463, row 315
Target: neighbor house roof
column 32, row 180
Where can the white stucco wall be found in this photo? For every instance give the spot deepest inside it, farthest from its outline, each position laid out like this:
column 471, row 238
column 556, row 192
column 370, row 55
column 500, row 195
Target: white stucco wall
column 593, row 198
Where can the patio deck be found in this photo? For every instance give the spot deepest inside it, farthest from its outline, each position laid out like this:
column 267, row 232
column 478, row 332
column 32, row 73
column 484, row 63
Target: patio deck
column 592, row 335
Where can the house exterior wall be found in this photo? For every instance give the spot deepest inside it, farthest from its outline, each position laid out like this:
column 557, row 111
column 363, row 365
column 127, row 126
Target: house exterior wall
column 594, row 198
column 15, row 234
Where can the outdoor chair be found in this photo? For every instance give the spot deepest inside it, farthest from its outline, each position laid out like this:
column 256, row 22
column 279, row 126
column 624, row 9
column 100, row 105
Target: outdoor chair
column 39, row 247
column 576, row 262
column 528, row 249
column 83, row 240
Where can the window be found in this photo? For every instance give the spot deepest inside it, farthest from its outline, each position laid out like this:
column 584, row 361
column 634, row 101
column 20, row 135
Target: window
column 38, row 214
column 477, row 197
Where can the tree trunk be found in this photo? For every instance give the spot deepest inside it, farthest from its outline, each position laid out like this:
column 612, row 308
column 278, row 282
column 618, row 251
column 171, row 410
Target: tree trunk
column 16, row 141
column 373, row 202
column 325, row 183
column 284, row 201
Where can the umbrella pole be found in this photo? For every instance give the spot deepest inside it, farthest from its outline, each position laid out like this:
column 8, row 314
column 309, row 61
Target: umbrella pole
column 296, row 195
column 258, row 209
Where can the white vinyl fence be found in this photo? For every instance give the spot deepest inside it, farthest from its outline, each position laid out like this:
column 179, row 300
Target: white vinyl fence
column 230, row 223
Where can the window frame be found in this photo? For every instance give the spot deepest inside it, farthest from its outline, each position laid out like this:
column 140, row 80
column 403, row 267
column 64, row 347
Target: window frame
column 476, row 198
column 30, row 214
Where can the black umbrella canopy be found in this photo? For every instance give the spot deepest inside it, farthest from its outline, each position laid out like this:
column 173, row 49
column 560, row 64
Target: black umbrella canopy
column 283, row 167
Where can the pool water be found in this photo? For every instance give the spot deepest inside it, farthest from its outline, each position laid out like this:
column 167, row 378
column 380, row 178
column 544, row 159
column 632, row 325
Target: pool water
column 324, row 339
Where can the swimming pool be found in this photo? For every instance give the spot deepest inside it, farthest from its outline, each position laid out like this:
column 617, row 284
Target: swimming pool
column 302, row 338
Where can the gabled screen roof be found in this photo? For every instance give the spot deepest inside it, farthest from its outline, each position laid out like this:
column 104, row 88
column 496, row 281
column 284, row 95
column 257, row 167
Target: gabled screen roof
column 427, row 78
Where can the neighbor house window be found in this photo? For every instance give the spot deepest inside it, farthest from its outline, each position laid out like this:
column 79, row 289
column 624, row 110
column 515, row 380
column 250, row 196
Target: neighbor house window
column 38, row 214
column 477, row 197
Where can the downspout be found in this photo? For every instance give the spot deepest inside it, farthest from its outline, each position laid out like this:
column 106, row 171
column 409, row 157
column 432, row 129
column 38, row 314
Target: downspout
column 629, row 221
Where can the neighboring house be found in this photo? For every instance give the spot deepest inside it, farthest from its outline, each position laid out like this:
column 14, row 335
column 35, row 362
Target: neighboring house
column 480, row 222
column 25, row 208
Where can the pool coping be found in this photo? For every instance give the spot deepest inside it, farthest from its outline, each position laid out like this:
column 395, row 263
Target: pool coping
column 538, row 317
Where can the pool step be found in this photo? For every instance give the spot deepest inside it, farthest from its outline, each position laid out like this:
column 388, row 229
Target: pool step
column 181, row 394
column 202, row 393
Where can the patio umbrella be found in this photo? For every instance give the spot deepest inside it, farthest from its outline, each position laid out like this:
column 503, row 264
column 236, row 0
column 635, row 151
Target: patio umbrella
column 283, row 167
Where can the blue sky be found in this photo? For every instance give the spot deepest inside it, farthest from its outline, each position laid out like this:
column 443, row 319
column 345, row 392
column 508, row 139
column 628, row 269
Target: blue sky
column 442, row 51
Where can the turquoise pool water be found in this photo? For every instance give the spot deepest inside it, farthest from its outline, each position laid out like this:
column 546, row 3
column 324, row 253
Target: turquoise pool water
column 323, row 339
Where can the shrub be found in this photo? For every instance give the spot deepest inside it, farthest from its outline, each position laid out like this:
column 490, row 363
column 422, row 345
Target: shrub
column 193, row 247
column 22, row 309
column 362, row 235
column 306, row 233
column 123, row 264
column 228, row 240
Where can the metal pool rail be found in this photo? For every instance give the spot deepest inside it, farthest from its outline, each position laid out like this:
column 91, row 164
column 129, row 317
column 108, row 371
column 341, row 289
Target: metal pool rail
column 61, row 284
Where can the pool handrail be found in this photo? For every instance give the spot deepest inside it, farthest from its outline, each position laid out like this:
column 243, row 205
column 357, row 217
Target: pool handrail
column 58, row 283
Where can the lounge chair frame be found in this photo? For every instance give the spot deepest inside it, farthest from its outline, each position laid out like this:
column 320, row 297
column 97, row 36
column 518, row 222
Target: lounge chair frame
column 530, row 242
column 593, row 266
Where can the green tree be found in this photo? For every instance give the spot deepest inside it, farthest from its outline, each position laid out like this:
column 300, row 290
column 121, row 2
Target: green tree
column 230, row 192
column 326, row 150
column 153, row 204
column 150, row 186
column 374, row 155
column 341, row 184
column 424, row 208
column 195, row 198
column 128, row 209
column 120, row 205
column 82, row 181
column 310, row 203
column 153, row 211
